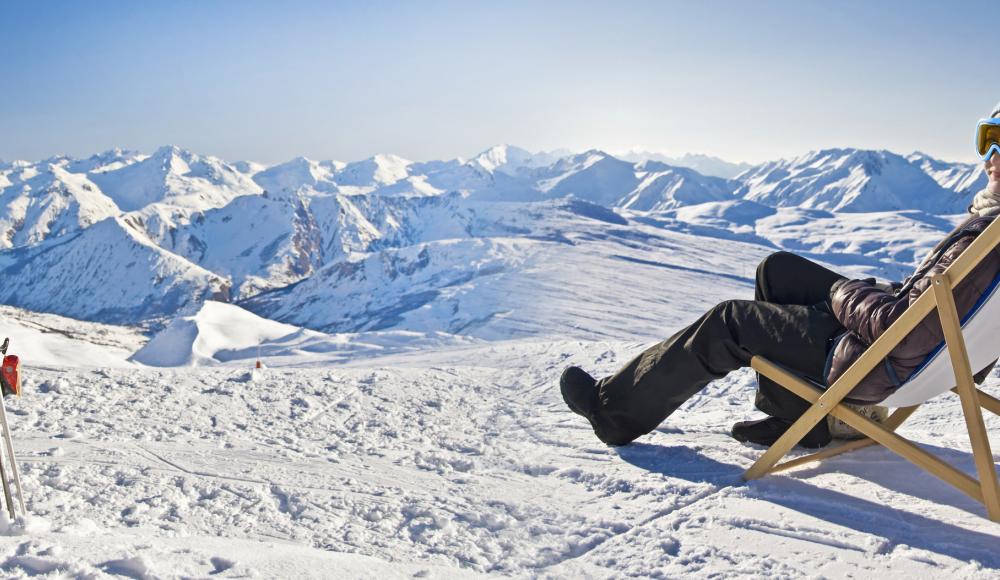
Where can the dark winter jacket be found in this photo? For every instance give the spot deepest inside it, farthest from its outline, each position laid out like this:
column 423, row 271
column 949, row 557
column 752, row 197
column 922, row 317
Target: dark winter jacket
column 866, row 311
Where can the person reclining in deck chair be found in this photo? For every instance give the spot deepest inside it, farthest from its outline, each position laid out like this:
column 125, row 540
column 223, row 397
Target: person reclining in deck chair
column 804, row 317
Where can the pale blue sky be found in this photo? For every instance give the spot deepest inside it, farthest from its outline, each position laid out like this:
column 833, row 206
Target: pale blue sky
column 428, row 80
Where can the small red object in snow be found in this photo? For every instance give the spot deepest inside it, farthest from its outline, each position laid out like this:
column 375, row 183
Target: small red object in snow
column 10, row 374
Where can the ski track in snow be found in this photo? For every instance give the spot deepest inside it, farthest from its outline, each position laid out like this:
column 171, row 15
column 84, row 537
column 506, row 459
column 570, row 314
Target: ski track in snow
column 450, row 463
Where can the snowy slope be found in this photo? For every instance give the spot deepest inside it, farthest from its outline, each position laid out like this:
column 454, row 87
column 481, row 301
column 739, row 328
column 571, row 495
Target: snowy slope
column 257, row 241
column 373, row 293
column 520, row 277
column 264, row 242
column 50, row 340
column 361, row 224
column 887, row 244
column 109, row 272
column 665, row 187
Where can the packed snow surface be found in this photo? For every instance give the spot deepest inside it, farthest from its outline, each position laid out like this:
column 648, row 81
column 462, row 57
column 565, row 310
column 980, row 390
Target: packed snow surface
column 454, row 461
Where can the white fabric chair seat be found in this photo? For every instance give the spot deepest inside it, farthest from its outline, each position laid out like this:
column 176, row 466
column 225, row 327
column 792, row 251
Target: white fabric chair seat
column 981, row 330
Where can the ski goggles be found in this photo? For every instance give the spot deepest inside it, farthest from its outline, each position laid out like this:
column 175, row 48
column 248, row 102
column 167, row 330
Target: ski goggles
column 988, row 138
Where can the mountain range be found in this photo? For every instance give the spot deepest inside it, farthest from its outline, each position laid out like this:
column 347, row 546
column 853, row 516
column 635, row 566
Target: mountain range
column 130, row 238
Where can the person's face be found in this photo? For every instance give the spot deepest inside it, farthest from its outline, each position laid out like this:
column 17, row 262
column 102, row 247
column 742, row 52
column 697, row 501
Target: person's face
column 992, row 168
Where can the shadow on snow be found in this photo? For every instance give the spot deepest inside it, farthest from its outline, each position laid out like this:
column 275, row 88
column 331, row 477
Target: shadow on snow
column 898, row 527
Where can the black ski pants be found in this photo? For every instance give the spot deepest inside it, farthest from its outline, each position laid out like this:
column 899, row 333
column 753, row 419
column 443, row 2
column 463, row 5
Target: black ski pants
column 789, row 322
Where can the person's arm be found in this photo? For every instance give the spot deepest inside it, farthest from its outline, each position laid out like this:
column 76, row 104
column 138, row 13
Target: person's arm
column 864, row 309
column 868, row 311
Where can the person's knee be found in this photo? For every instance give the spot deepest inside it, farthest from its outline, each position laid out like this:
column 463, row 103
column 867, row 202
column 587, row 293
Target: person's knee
column 729, row 310
column 719, row 340
column 773, row 260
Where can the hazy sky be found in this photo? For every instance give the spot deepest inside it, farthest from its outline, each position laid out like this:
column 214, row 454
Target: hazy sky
column 272, row 80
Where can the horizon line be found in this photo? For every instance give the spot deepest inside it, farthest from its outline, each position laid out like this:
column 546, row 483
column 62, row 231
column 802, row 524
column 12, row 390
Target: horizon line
column 560, row 152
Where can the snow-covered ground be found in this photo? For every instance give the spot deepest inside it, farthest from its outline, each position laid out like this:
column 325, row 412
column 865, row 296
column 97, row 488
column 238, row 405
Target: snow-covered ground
column 453, row 461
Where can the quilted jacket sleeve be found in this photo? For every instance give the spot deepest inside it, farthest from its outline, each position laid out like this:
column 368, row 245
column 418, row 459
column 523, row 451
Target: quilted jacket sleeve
column 868, row 310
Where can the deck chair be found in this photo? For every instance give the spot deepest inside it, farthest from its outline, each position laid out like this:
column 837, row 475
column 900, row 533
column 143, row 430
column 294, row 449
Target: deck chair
column 969, row 343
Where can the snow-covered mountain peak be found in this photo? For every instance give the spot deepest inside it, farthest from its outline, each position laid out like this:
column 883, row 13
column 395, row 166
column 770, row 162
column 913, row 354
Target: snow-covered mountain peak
column 379, row 170
column 704, row 164
column 504, row 158
column 847, row 179
column 176, row 177
column 249, row 168
column 390, row 160
column 963, row 178
column 646, row 166
column 109, row 160
column 172, row 159
column 662, row 187
column 592, row 156
column 300, row 172
column 46, row 200
column 593, row 175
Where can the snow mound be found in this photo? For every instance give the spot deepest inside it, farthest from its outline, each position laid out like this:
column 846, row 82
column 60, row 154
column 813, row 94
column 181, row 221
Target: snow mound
column 216, row 328
column 224, row 333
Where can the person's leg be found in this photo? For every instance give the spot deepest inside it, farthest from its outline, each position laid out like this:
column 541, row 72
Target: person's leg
column 654, row 384
column 786, row 278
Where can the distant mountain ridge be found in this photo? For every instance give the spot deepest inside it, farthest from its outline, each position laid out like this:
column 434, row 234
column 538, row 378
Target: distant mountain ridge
column 704, row 164
column 126, row 237
column 850, row 180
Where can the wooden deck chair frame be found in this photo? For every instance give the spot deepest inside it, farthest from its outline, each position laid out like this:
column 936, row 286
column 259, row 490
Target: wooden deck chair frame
column 987, row 489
